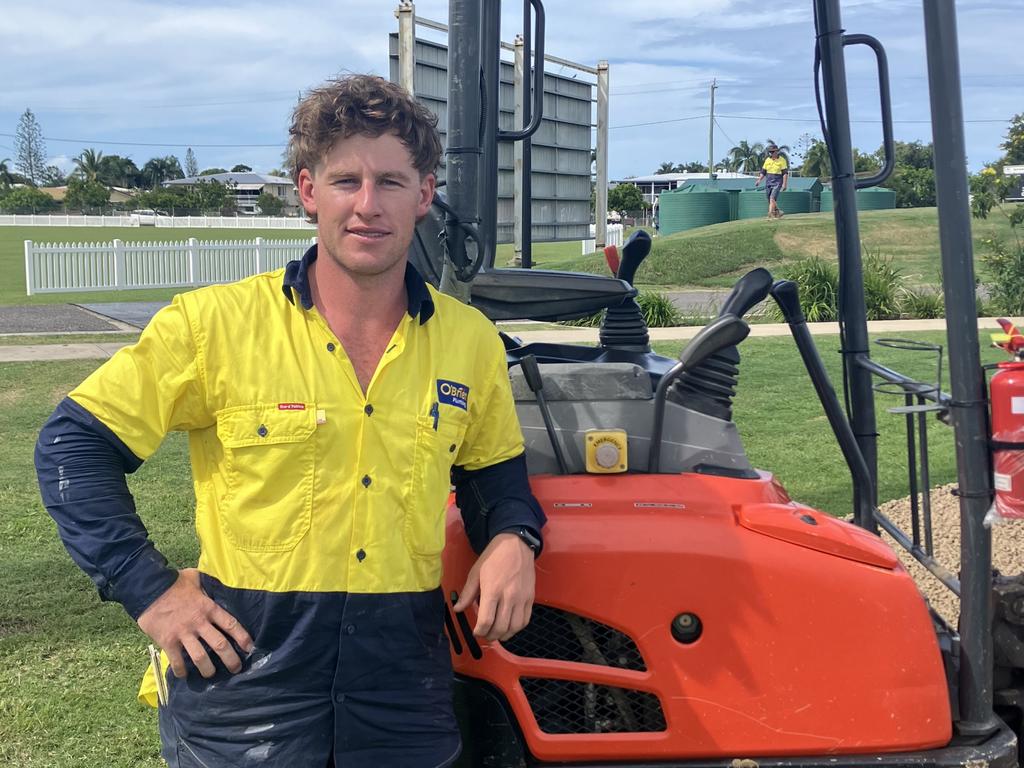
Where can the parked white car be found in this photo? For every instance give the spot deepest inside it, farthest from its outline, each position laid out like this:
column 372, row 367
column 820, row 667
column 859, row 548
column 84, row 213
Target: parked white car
column 143, row 217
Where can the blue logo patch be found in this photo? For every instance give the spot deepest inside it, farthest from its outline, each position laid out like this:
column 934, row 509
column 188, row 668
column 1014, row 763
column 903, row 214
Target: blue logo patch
column 452, row 393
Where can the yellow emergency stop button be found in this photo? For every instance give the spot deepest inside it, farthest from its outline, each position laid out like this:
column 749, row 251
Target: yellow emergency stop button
column 607, row 451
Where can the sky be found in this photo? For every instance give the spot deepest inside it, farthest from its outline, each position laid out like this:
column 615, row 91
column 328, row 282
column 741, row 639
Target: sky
column 143, row 79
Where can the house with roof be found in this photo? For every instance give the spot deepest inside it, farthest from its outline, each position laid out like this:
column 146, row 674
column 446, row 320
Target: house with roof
column 118, row 195
column 247, row 187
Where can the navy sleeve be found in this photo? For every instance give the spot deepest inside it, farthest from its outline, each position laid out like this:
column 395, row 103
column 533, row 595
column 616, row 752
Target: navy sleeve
column 81, row 467
column 496, row 499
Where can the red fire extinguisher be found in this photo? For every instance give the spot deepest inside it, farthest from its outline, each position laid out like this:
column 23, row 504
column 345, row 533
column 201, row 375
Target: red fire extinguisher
column 1006, row 397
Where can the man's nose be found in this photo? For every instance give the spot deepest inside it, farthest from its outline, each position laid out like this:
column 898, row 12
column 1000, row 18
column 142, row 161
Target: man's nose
column 368, row 199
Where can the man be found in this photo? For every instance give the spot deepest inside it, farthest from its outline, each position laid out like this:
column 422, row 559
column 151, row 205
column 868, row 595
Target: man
column 326, row 405
column 775, row 173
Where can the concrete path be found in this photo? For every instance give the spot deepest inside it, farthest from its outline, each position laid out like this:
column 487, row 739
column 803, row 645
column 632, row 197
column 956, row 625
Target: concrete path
column 693, row 302
column 100, row 351
column 135, row 315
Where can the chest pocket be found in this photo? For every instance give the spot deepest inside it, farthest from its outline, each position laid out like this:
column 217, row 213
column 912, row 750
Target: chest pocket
column 269, row 461
column 430, row 485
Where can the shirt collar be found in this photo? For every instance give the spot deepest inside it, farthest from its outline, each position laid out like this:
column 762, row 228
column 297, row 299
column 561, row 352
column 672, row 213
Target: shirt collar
column 296, row 280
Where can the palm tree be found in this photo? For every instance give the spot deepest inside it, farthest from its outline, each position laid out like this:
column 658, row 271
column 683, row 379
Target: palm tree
column 88, row 164
column 746, row 157
column 816, row 161
column 666, row 168
column 160, row 169
column 6, row 177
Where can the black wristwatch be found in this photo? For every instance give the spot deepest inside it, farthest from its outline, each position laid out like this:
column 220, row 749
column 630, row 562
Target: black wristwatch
column 529, row 538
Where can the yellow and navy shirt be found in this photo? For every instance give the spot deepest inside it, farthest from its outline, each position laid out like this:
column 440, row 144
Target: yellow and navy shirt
column 314, row 501
column 774, row 168
column 302, row 482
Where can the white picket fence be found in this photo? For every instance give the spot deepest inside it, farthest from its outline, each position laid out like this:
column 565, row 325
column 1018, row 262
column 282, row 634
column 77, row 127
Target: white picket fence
column 64, row 267
column 126, row 220
column 614, row 237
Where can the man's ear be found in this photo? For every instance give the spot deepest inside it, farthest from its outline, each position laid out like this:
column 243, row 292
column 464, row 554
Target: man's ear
column 306, row 194
column 427, row 186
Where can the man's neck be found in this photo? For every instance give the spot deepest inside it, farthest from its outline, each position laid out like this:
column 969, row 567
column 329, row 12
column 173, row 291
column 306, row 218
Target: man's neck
column 358, row 303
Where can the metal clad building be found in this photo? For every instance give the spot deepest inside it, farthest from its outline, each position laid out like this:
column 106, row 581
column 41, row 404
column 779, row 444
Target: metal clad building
column 561, row 147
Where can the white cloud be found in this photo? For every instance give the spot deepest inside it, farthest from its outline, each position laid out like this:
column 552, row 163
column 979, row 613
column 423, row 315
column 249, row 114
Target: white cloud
column 187, row 73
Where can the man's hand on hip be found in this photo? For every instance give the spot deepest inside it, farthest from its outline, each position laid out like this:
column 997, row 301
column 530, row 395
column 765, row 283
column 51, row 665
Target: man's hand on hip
column 503, row 577
column 183, row 616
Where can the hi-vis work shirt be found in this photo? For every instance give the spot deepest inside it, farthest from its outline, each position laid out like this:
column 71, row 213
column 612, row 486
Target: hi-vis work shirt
column 319, row 510
column 774, row 168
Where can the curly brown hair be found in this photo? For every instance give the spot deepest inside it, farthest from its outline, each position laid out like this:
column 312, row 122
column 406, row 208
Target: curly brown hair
column 364, row 105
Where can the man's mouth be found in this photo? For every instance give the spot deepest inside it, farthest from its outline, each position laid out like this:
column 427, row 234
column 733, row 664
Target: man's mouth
column 372, row 234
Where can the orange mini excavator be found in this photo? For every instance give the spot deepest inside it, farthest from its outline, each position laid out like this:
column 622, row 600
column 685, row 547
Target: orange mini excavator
column 688, row 612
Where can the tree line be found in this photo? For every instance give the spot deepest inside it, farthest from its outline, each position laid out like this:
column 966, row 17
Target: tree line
column 95, row 175
column 912, row 179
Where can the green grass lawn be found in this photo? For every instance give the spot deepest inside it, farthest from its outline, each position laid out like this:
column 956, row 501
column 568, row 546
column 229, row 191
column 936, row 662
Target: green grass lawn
column 70, row 665
column 716, row 255
column 12, row 256
column 712, row 256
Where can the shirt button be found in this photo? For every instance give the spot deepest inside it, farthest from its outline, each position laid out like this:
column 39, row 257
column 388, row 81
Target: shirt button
column 360, row 555
column 368, row 410
column 339, row 697
column 330, row 346
column 366, row 481
column 262, row 431
column 350, row 629
column 451, row 448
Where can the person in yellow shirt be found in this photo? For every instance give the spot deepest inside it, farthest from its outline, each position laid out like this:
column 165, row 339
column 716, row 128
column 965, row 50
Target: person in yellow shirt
column 328, row 405
column 775, row 174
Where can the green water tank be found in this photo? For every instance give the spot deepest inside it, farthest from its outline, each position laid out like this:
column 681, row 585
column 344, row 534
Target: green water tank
column 870, row 199
column 875, row 199
column 754, row 203
column 691, row 207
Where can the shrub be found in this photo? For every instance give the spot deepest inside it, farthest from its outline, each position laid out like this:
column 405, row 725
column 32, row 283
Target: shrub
column 817, row 281
column 884, row 290
column 658, row 311
column 1006, row 263
column 1004, row 260
column 26, row 200
column 924, row 305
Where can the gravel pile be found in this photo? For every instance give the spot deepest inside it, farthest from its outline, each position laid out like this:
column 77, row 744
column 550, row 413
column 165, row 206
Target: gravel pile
column 1007, row 547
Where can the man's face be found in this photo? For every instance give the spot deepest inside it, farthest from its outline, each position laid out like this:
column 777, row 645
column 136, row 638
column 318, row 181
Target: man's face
column 367, row 198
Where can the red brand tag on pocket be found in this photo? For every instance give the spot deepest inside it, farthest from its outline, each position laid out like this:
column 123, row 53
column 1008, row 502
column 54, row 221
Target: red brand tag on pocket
column 291, row 406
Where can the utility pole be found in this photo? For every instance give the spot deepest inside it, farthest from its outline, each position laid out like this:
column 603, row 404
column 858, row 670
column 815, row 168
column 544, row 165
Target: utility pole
column 711, row 133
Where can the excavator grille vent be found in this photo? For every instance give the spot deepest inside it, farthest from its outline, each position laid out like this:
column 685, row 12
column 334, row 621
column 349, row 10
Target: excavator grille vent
column 570, row 707
column 563, row 636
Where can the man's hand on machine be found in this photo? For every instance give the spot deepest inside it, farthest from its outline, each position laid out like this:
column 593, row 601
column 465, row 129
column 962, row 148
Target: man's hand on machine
column 183, row 616
column 503, row 577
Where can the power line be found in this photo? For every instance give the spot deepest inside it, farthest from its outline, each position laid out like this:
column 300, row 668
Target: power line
column 727, row 136
column 748, row 79
column 197, row 105
column 654, row 122
column 775, row 119
column 155, row 144
column 264, row 97
column 815, row 120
